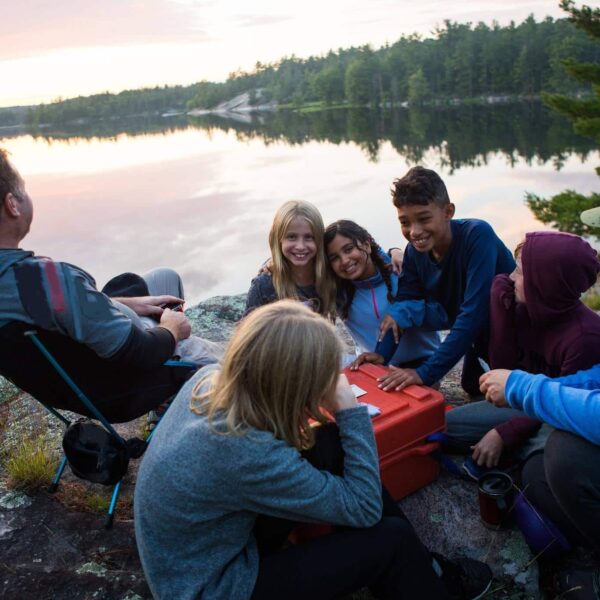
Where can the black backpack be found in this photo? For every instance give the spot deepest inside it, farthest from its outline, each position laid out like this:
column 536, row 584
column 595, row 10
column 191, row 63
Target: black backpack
column 97, row 455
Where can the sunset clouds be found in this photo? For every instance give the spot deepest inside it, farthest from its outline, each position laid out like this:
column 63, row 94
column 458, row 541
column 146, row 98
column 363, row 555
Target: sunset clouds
column 73, row 47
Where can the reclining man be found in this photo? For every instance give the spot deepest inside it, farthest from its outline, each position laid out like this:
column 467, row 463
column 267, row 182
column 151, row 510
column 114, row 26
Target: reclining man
column 110, row 348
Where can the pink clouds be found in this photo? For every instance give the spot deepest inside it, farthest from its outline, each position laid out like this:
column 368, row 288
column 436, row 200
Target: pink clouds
column 36, row 26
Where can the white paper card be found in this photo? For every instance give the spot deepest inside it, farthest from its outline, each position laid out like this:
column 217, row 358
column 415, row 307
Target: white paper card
column 358, row 391
column 371, row 408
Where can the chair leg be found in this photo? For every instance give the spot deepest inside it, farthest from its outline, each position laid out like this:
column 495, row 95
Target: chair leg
column 61, row 467
column 111, row 509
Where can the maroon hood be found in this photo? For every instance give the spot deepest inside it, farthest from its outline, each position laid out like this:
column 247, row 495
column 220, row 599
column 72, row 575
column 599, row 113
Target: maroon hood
column 557, row 269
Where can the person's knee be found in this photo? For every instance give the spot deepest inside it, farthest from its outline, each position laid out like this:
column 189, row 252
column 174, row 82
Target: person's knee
column 165, row 272
column 164, row 280
column 464, row 427
column 565, row 468
column 396, row 533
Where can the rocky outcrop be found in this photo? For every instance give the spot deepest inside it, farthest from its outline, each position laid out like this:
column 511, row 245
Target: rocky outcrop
column 54, row 546
column 238, row 108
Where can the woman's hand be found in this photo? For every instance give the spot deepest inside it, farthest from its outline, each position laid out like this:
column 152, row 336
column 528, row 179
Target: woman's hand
column 370, row 357
column 385, row 324
column 492, row 385
column 488, row 450
column 339, row 397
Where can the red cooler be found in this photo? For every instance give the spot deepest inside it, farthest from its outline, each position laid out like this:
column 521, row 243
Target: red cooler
column 407, row 418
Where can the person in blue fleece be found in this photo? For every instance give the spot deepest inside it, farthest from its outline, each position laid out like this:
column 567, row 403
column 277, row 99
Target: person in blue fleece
column 448, row 268
column 366, row 287
column 563, row 481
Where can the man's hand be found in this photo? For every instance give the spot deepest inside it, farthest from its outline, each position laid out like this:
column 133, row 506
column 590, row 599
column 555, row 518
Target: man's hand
column 340, row 397
column 385, row 324
column 177, row 323
column 487, row 451
column 492, row 385
column 397, row 379
column 370, row 357
column 396, row 258
column 149, row 306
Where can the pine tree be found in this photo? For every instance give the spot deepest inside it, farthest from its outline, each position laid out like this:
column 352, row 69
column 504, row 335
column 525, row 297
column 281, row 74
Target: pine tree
column 562, row 210
column 585, row 113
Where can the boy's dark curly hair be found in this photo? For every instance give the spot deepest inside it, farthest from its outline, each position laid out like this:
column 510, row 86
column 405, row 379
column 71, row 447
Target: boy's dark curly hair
column 356, row 233
column 419, row 186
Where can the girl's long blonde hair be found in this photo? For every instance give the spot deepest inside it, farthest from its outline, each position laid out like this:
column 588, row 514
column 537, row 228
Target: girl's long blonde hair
column 283, row 281
column 281, row 361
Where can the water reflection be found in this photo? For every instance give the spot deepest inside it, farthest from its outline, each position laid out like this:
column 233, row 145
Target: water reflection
column 462, row 135
column 199, row 195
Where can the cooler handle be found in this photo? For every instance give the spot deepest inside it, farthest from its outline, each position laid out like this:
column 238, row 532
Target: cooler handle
column 373, row 371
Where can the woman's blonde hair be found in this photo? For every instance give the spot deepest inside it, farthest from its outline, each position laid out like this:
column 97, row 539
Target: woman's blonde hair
column 281, row 361
column 283, row 281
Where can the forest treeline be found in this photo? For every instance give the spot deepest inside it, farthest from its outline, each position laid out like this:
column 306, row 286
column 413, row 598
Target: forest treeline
column 460, row 61
column 148, row 101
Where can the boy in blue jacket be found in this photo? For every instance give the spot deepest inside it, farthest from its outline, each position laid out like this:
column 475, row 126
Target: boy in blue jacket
column 448, row 268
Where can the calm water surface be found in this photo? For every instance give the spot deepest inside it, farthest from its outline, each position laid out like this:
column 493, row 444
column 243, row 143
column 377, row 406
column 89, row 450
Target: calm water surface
column 199, row 196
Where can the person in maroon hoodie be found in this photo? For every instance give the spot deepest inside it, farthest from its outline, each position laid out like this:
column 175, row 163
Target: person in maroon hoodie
column 537, row 324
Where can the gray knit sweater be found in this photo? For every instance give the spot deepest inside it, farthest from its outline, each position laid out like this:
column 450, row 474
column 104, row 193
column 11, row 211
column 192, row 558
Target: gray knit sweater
column 198, row 494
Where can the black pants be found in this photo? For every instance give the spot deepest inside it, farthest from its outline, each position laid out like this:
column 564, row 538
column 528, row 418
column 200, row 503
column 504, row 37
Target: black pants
column 564, row 483
column 388, row 558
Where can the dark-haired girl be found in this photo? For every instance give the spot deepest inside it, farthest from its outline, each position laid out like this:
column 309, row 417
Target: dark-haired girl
column 367, row 286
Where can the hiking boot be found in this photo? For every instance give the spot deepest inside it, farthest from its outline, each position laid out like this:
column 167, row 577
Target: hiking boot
column 464, row 578
column 579, row 583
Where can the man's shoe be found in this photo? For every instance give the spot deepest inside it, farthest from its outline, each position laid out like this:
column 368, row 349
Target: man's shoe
column 465, row 578
column 579, row 583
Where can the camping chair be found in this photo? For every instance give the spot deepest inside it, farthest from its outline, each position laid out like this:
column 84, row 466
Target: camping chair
column 55, row 389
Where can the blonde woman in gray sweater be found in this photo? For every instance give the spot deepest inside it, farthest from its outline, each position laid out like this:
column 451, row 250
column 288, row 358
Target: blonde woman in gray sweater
column 230, row 467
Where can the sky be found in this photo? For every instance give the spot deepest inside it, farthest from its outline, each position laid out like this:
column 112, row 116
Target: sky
column 67, row 48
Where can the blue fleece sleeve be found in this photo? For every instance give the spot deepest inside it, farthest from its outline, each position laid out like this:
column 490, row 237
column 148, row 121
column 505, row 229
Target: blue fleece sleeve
column 409, row 308
column 482, row 256
column 589, row 379
column 572, row 409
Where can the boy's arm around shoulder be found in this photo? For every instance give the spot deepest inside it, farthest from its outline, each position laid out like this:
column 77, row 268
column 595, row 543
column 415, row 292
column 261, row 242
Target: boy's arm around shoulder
column 276, row 480
column 410, row 308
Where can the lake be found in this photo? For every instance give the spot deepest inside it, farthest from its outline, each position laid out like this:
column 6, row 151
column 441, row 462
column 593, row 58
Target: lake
column 199, row 194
